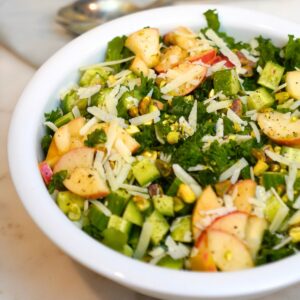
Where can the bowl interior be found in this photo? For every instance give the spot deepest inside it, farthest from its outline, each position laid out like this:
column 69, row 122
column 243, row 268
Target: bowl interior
column 42, row 95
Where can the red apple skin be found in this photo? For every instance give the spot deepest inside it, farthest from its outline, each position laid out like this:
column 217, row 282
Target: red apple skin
column 203, row 260
column 206, row 57
column 46, row 171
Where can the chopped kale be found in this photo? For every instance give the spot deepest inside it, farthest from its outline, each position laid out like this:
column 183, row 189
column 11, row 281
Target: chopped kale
column 95, row 138
column 212, row 19
column 292, row 53
column 205, row 177
column 182, row 106
column 250, row 83
column 53, row 115
column 56, row 182
column 201, row 93
column 45, row 143
column 268, row 254
column 146, row 138
column 148, row 84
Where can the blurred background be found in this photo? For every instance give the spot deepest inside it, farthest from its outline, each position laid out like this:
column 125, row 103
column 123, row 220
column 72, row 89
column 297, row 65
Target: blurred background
column 31, row 267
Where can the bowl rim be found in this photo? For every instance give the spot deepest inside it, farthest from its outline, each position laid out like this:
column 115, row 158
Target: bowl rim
column 93, row 254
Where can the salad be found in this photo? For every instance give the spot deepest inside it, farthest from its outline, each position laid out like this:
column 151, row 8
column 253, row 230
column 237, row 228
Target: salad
column 182, row 150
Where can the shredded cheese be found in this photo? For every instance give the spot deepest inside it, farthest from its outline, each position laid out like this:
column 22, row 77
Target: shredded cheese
column 86, row 127
column 87, row 92
column 51, row 125
column 193, row 116
column 239, row 165
column 107, row 63
column 104, row 116
column 220, row 128
column 217, row 105
column 290, row 181
column 233, row 117
column 102, row 207
column 256, row 131
column 144, row 118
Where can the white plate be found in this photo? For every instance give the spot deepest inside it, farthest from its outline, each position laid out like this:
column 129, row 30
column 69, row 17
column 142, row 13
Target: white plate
column 24, row 153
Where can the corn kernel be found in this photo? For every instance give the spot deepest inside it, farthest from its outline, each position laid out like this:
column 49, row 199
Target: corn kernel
column 277, row 149
column 260, row 167
column 295, row 234
column 294, row 119
column 237, row 127
column 74, row 213
column 185, row 193
column 150, row 154
column 132, row 129
column 282, row 97
column 173, row 137
column 211, row 93
column 285, row 198
column 111, row 79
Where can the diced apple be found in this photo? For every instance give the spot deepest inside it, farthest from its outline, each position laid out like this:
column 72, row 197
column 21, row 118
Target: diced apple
column 183, row 37
column 228, row 252
column 86, row 183
column 53, row 155
column 128, row 140
column 254, row 234
column 244, row 190
column 280, row 127
column 208, row 200
column 183, row 79
column 170, row 58
column 75, row 125
column 293, row 84
column 201, row 258
column 234, row 223
column 145, row 44
column 76, row 158
column 138, row 66
column 62, row 139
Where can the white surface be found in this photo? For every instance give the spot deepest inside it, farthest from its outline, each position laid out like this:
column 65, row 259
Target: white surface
column 24, row 141
column 31, row 267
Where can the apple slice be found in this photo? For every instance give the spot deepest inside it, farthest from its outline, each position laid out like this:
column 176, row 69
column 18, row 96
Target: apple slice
column 128, row 140
column 76, row 158
column 208, row 200
column 62, row 139
column 206, row 57
column 228, row 252
column 254, row 233
column 280, row 128
column 201, row 258
column 53, row 154
column 234, row 223
column 145, row 44
column 244, row 189
column 170, row 58
column 183, row 79
column 293, row 84
column 86, row 183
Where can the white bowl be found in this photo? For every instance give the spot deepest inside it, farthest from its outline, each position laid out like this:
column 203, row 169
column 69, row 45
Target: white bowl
column 42, row 94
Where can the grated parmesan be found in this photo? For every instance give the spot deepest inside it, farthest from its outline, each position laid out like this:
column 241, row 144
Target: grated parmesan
column 76, row 112
column 220, row 128
column 102, row 207
column 256, row 131
column 87, row 92
column 86, row 127
column 233, row 117
column 176, row 251
column 104, row 116
column 51, row 125
column 144, row 118
column 240, row 164
column 217, row 105
column 192, row 120
column 107, row 63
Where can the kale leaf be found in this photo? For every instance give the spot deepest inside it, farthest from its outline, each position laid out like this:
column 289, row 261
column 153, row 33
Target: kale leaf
column 148, row 84
column 146, row 137
column 97, row 137
column 53, row 115
column 56, row 182
column 292, row 53
column 212, row 19
column 45, row 143
column 181, row 106
column 268, row 254
column 268, row 51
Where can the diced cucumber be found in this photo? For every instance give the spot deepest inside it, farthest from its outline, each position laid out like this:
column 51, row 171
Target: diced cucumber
column 142, row 203
column 114, row 239
column 126, row 102
column 260, row 99
column 64, row 119
column 70, row 100
column 178, row 204
column 291, row 153
column 65, row 198
column 227, row 81
column 93, row 77
column 164, row 204
column 119, row 223
column 172, row 191
column 272, row 179
column 127, row 250
column 271, row 75
column 169, row 262
column 181, row 229
column 97, row 217
column 275, row 212
column 160, row 227
column 99, row 98
column 117, row 201
column 134, row 236
column 133, row 215
column 145, row 172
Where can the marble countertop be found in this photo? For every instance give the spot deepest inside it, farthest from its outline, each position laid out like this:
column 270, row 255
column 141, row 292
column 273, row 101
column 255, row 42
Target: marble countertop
column 31, row 266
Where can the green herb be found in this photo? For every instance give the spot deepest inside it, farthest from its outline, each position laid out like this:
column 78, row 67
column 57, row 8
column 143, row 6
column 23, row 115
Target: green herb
column 53, row 115
column 182, row 106
column 148, row 84
column 205, row 177
column 292, row 53
column 250, row 83
column 45, row 143
column 268, row 51
column 212, row 19
column 56, row 182
column 97, row 137
column 146, row 137
column 267, row 254
column 201, row 93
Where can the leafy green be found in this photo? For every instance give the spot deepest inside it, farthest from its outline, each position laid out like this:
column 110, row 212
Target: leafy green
column 212, row 19
column 292, row 53
column 116, row 50
column 268, row 51
column 56, row 182
column 205, row 177
column 93, row 231
column 267, row 254
column 45, row 143
column 148, row 84
column 182, row 106
column 53, row 115
column 201, row 93
column 97, row 137
column 146, row 137
column 250, row 83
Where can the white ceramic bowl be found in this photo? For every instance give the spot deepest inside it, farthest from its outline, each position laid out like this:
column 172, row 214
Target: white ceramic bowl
column 41, row 95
